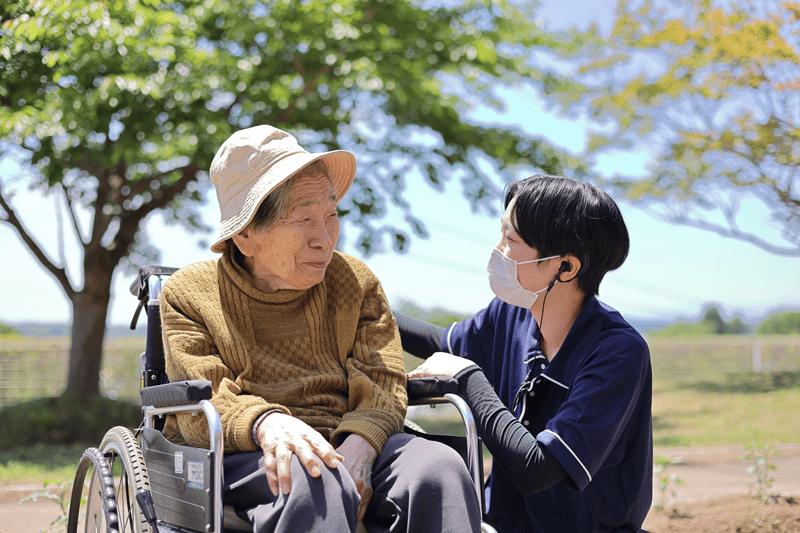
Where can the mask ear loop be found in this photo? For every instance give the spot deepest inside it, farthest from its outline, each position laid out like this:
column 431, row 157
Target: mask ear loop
column 544, row 301
column 541, row 316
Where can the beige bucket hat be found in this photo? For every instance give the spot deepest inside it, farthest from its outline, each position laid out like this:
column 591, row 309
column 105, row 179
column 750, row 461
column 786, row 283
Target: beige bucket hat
column 253, row 162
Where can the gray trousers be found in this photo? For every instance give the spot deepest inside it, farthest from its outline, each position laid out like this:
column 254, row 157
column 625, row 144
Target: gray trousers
column 418, row 486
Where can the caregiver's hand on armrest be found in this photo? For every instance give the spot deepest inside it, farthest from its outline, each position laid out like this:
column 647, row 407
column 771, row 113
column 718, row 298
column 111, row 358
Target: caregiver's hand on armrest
column 440, row 364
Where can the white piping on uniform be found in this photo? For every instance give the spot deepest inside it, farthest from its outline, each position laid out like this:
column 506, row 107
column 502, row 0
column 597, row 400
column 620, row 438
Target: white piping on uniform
column 524, row 406
column 537, row 356
column 545, row 376
column 450, row 332
column 588, row 475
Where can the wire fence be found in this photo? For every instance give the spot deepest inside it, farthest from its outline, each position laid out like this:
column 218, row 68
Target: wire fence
column 33, row 368
column 701, row 358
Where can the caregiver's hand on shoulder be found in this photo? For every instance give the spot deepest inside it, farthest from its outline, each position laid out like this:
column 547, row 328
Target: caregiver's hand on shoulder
column 281, row 436
column 440, row 364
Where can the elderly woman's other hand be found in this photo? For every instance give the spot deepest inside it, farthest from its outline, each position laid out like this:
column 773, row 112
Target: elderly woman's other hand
column 359, row 456
column 441, row 364
column 281, row 436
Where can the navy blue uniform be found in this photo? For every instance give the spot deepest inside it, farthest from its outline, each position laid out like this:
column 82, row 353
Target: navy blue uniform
column 589, row 408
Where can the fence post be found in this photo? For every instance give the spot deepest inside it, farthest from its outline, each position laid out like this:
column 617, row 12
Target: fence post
column 757, row 355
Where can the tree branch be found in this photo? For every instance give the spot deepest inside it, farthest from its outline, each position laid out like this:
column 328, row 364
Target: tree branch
column 94, row 170
column 100, row 221
column 734, row 233
column 143, row 185
column 59, row 273
column 72, row 215
column 129, row 224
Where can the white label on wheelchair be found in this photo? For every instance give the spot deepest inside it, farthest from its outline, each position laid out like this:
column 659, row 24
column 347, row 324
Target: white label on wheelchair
column 179, row 462
column 195, row 474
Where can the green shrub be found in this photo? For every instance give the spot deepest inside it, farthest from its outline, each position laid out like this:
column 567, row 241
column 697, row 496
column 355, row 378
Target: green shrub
column 64, row 420
column 781, row 323
column 7, row 332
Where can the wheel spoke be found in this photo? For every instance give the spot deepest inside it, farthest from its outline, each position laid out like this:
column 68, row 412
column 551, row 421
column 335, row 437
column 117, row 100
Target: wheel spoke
column 126, row 505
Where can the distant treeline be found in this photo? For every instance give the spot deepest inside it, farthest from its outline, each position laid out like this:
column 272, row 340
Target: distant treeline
column 8, row 331
column 710, row 323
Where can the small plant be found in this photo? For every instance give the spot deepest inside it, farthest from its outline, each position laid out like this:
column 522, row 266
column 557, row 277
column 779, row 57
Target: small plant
column 759, row 459
column 666, row 480
column 59, row 495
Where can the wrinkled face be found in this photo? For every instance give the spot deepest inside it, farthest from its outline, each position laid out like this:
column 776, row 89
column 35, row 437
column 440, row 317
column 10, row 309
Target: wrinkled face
column 294, row 252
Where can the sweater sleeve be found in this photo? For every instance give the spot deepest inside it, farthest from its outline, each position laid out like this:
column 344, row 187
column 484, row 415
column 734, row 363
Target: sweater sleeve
column 529, row 465
column 375, row 370
column 188, row 311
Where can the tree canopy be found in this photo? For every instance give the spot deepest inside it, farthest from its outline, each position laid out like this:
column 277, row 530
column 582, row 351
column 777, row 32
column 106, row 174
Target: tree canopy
column 780, row 323
column 118, row 108
column 711, row 90
column 123, row 104
column 710, row 323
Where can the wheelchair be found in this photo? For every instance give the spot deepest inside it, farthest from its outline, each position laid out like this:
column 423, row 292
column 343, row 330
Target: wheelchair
column 139, row 482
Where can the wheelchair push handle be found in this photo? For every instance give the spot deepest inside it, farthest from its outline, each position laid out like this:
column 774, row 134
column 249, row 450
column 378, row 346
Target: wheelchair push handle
column 146, row 289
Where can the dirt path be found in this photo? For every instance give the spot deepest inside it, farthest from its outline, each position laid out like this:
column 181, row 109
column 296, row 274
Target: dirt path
column 28, row 517
column 710, row 474
column 714, row 496
column 714, row 471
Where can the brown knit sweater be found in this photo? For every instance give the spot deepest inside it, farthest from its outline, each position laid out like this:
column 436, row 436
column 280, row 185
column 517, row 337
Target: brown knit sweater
column 329, row 355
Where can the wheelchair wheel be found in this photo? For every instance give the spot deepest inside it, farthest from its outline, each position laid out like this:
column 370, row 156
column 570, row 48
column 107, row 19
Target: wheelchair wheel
column 102, row 499
column 119, row 472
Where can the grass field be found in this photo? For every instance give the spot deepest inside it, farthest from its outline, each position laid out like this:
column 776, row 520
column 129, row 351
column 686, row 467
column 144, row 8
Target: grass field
column 40, row 463
column 749, row 409
column 705, row 393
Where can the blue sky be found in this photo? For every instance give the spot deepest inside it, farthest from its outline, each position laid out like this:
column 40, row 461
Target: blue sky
column 671, row 272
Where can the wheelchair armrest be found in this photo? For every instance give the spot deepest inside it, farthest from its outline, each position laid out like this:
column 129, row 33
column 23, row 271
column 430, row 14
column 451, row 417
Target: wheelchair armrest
column 179, row 393
column 430, row 387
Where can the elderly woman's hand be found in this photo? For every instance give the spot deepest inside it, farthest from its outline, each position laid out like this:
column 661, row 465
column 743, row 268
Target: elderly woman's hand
column 359, row 456
column 441, row 364
column 281, row 436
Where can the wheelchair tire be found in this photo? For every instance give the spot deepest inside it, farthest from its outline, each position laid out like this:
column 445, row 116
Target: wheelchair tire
column 125, row 459
column 123, row 476
column 101, row 505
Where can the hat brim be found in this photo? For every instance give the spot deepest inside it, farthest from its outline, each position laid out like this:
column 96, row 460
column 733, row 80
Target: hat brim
column 341, row 168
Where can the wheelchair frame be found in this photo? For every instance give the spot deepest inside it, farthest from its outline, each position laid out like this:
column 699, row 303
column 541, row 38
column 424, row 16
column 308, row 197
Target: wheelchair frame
column 124, row 497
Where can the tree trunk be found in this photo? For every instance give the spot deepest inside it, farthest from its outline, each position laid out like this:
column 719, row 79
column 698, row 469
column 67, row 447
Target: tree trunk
column 89, row 312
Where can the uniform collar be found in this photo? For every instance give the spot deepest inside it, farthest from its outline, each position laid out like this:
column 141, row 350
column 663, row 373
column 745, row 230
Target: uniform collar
column 562, row 367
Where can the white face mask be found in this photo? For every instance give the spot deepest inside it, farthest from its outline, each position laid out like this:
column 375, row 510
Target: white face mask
column 504, row 283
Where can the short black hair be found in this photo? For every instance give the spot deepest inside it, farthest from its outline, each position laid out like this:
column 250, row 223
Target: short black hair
column 559, row 216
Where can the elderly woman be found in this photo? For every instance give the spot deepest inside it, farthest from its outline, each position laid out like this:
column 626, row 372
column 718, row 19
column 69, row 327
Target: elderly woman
column 304, row 356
